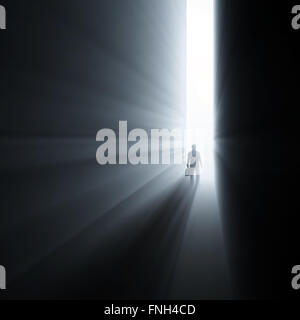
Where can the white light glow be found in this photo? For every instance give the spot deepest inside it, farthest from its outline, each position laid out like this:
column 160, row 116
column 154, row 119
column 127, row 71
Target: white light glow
column 200, row 81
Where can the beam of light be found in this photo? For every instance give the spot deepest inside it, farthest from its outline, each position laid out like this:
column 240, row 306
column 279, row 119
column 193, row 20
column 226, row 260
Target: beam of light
column 200, row 81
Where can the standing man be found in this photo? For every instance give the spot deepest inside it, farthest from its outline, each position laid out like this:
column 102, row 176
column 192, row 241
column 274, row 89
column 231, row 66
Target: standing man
column 194, row 164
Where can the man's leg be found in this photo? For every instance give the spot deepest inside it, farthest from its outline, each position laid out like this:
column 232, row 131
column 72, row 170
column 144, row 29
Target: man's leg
column 197, row 180
column 192, row 180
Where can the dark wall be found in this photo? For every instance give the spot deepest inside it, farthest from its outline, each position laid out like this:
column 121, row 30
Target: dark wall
column 68, row 69
column 257, row 142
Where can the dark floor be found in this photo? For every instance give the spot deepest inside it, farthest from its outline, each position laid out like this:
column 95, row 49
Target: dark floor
column 168, row 246
column 201, row 269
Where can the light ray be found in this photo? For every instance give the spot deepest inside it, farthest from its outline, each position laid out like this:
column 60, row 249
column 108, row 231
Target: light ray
column 200, row 80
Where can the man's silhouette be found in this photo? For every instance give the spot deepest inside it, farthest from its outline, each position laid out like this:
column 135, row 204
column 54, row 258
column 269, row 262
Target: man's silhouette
column 194, row 165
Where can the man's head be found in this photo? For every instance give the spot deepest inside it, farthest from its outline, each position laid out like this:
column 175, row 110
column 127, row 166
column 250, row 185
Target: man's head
column 194, row 147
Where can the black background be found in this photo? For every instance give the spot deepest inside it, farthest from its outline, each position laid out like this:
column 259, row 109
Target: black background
column 258, row 158
column 69, row 68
